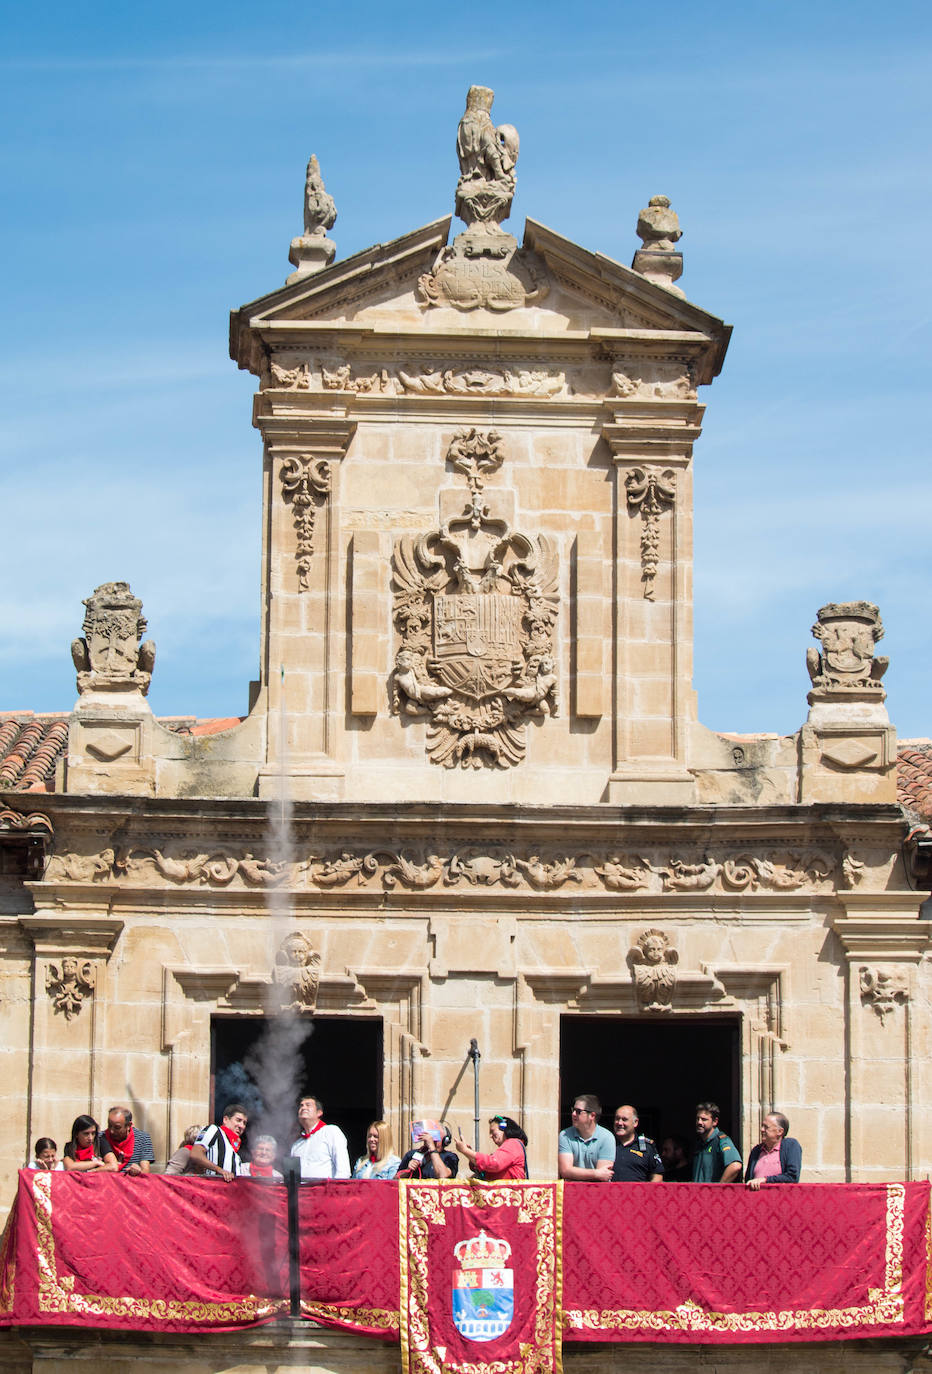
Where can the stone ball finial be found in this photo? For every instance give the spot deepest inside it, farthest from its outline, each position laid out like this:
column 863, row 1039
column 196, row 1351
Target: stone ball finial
column 658, row 260
column 658, row 226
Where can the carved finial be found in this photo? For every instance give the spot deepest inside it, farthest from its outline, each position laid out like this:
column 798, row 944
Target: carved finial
column 483, row 268
column 847, row 631
column 313, row 251
column 659, row 230
column 110, row 657
column 487, row 157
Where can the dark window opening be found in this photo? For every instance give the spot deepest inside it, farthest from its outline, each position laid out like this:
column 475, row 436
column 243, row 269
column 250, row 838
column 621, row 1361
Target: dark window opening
column 663, row 1068
column 267, row 1067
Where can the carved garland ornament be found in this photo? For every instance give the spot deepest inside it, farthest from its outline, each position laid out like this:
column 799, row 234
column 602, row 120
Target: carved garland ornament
column 470, row 866
column 475, row 606
column 69, row 986
column 306, row 480
column 650, row 491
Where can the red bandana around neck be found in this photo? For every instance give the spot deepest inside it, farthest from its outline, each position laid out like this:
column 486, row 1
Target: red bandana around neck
column 232, row 1137
column 314, row 1129
column 123, row 1149
column 261, row 1170
column 86, row 1153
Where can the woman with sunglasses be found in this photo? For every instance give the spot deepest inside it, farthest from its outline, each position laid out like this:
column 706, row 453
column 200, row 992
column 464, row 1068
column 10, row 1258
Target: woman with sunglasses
column 507, row 1160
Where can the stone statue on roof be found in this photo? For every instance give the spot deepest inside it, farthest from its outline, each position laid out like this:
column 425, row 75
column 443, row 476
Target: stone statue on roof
column 487, row 157
column 312, row 251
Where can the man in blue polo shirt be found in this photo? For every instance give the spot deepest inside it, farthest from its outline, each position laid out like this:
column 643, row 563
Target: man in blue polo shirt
column 716, row 1160
column 586, row 1150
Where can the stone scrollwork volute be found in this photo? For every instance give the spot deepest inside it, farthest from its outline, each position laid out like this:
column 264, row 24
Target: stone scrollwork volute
column 475, row 606
column 70, row 985
column 110, row 657
column 296, row 974
column 305, row 482
column 484, row 267
column 883, row 989
column 847, row 632
column 653, row 967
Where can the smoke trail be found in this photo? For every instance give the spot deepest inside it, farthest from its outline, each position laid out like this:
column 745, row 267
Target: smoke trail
column 275, row 1064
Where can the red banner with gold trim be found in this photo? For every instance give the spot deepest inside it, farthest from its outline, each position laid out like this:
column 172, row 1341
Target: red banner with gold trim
column 703, row 1263
column 474, row 1276
column 480, row 1293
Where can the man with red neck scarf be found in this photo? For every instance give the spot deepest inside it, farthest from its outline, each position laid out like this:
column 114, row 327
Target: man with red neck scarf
column 216, row 1150
column 320, row 1148
column 132, row 1147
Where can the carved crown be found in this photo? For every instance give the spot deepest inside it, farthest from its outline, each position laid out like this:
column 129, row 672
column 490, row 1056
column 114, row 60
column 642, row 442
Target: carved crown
column 482, row 1252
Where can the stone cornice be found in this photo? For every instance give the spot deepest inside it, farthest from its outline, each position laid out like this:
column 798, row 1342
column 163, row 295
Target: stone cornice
column 92, row 937
column 881, row 933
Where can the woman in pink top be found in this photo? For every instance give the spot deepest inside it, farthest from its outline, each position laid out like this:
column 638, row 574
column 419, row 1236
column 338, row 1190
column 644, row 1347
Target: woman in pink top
column 507, row 1160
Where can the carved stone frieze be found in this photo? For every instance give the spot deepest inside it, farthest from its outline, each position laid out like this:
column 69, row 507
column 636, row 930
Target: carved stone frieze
column 660, row 381
column 291, row 378
column 306, row 482
column 342, row 379
column 650, row 491
column 478, row 381
column 296, row 974
column 69, row 985
column 653, row 967
column 847, row 632
column 883, row 989
column 475, row 606
column 484, row 267
column 462, row 866
column 110, row 657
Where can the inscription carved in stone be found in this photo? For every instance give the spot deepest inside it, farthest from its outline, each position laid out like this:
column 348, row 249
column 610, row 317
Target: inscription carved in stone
column 69, row 986
column 475, row 606
column 847, row 631
column 296, row 974
column 653, row 967
column 884, row 989
column 306, row 481
column 650, row 491
column 484, row 266
column 110, row 657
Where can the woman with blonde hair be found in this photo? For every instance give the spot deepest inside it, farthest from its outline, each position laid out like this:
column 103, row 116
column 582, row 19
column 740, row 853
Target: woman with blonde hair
column 378, row 1162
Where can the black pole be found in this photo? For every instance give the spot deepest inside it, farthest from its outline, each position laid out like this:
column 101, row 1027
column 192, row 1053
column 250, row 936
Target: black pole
column 475, row 1056
column 292, row 1170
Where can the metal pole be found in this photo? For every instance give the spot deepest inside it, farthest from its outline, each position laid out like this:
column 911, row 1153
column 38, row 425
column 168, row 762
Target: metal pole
column 475, row 1056
column 291, row 1168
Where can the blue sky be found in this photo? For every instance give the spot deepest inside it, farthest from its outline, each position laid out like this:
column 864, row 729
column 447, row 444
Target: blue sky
column 153, row 162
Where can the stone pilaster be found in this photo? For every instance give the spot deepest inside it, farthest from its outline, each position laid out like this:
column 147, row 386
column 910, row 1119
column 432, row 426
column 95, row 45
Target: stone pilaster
column 883, row 942
column 70, row 955
column 303, row 602
column 651, row 444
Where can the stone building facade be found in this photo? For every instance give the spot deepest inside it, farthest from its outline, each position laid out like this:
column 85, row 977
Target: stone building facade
column 471, row 798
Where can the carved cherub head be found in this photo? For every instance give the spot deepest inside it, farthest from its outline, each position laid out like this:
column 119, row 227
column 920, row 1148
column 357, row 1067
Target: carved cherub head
column 294, row 952
column 653, row 946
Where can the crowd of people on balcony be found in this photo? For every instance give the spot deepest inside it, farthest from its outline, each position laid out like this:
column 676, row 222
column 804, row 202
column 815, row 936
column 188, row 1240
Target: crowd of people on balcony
column 586, row 1151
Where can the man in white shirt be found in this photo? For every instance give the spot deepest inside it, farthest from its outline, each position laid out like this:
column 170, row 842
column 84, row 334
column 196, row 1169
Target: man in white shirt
column 320, row 1148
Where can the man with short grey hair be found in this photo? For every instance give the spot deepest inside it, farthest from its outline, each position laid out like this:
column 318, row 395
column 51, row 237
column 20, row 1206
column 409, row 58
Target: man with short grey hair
column 778, row 1158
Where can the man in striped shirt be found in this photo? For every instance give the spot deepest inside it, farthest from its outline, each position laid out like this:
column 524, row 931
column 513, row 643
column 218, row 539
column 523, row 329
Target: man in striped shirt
column 216, row 1150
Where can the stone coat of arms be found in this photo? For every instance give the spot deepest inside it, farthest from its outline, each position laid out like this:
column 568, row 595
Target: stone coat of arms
column 475, row 606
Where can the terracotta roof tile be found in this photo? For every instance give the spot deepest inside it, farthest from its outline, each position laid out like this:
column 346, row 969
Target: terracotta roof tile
column 914, row 776
column 30, row 747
